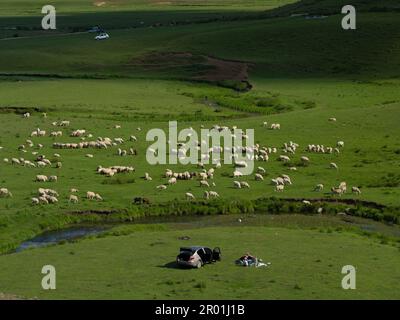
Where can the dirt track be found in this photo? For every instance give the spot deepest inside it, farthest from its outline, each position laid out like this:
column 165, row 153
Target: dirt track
column 205, row 67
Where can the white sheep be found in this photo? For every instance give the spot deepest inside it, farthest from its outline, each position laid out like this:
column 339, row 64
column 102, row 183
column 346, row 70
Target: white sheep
column 337, row 191
column 189, row 196
column 90, row 195
column 305, row 160
column 43, row 199
column 284, row 158
column 244, row 184
column 4, row 192
column 356, row 190
column 333, row 165
column 237, row 184
column 261, row 170
column 237, row 174
column 41, row 178
column 204, row 183
column 172, row 180
column 319, row 187
column 213, row 194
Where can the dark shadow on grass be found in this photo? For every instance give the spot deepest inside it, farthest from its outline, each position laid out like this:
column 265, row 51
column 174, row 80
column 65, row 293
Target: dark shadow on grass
column 173, row 265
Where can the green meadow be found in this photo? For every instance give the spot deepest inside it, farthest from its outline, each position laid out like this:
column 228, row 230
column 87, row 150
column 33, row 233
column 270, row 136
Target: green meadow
column 232, row 63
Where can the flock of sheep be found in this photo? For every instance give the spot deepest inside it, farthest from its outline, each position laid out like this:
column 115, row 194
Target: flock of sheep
column 203, row 175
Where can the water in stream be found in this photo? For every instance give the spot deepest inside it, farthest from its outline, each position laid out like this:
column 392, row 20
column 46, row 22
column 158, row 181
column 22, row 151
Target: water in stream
column 54, row 237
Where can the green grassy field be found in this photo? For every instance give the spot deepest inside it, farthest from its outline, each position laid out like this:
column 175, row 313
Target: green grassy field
column 308, row 70
column 139, row 263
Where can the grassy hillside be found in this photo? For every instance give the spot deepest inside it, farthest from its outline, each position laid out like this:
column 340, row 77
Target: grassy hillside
column 290, row 47
column 226, row 63
column 332, row 7
column 32, row 7
column 139, row 264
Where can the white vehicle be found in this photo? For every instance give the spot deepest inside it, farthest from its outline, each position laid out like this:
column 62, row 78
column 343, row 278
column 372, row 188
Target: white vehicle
column 102, row 36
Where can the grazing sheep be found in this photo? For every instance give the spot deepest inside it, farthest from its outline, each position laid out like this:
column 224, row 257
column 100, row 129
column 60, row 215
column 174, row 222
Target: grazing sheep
column 78, row 133
column 41, row 164
column 204, row 183
column 4, row 192
column 213, row 194
column 275, row 126
column 237, row 174
column 284, row 158
column 98, row 197
column 305, row 160
column 337, row 191
column 172, row 180
column 244, row 184
column 319, row 187
column 43, row 199
column 206, row 195
column 41, row 178
column 52, row 199
column 189, row 196
column 147, row 177
column 162, row 187
column 306, row 202
column 340, row 144
column 332, row 119
column 261, row 170
column 356, row 190
column 237, row 184
column 343, row 186
column 59, row 165
column 90, row 195
column 35, row 201
column 333, row 165
column 73, row 190
column 259, row 177
column 53, row 178
column 279, row 188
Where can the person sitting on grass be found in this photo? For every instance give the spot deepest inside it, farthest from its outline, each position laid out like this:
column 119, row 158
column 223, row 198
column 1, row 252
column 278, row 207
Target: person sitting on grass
column 248, row 259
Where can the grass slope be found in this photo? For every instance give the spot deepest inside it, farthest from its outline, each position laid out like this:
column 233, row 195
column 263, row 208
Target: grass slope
column 305, row 264
column 311, row 69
